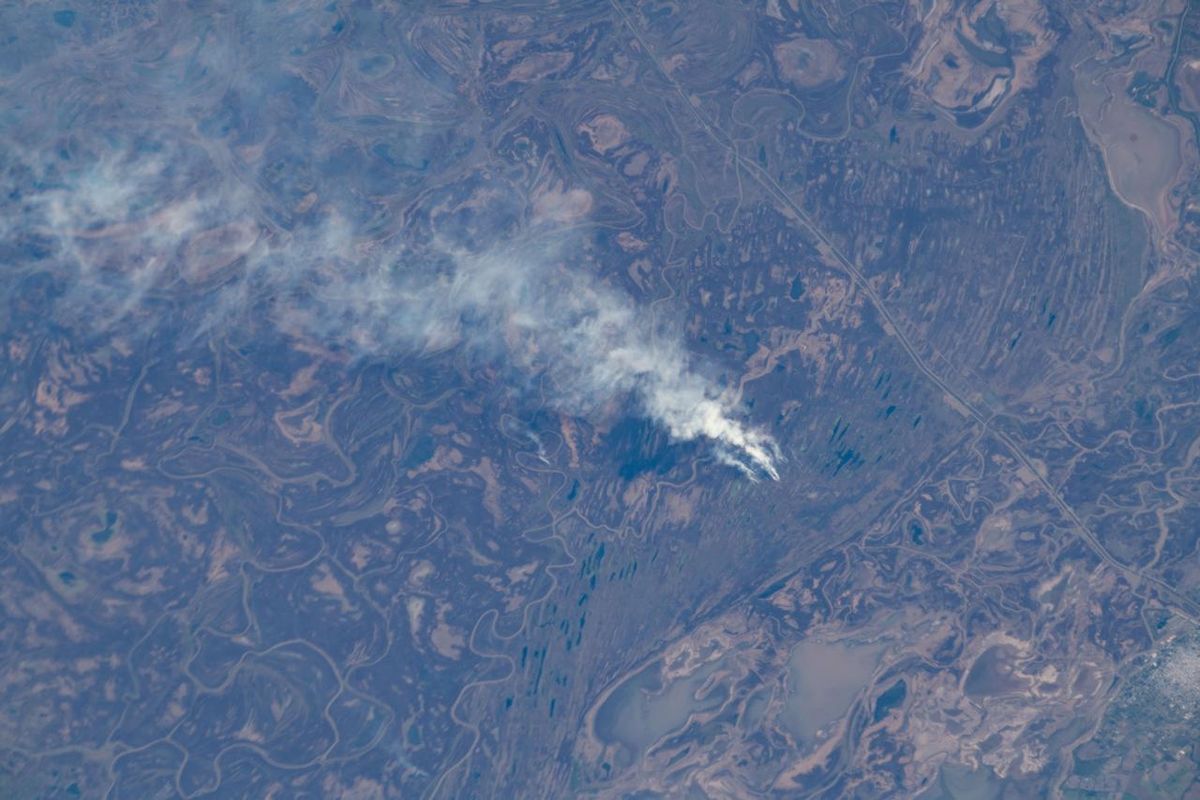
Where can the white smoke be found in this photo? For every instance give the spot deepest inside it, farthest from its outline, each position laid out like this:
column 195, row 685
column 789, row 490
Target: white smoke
column 595, row 343
column 123, row 231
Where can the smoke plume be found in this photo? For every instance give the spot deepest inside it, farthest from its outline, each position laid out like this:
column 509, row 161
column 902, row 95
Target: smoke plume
column 126, row 229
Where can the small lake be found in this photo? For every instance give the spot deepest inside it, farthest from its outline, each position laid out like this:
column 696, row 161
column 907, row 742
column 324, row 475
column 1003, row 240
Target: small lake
column 642, row 710
column 822, row 680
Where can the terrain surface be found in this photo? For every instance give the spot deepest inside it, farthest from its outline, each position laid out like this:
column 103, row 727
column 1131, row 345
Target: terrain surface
column 599, row 399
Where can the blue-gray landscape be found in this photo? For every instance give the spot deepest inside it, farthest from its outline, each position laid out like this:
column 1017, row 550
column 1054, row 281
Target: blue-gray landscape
column 599, row 399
